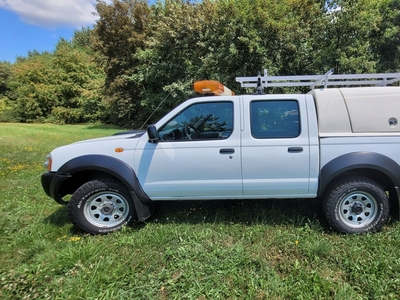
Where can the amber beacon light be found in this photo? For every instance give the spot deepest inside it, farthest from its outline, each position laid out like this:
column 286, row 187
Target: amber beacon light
column 212, row 87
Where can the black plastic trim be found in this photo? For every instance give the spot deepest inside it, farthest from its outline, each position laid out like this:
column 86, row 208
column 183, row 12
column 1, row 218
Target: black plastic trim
column 359, row 160
column 397, row 212
column 227, row 151
column 51, row 183
column 295, row 149
column 110, row 165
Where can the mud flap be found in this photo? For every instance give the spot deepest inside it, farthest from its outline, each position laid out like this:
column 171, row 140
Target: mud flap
column 143, row 211
column 396, row 210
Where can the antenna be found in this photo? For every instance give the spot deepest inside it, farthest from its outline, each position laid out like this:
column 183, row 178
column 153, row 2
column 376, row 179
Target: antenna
column 155, row 110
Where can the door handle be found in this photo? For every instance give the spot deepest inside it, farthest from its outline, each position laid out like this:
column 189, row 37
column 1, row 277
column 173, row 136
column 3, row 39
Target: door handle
column 227, row 151
column 295, row 149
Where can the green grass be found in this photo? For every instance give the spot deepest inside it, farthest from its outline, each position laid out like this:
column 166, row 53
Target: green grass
column 187, row 250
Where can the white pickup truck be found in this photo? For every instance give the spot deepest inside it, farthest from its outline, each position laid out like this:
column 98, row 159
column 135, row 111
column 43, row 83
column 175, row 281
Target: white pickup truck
column 339, row 144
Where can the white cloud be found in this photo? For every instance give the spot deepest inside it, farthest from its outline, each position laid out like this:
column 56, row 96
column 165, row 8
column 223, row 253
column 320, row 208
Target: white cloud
column 53, row 13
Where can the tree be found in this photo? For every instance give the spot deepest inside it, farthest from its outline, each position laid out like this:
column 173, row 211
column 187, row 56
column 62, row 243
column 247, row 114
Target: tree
column 6, row 95
column 5, row 72
column 79, row 84
column 121, row 32
column 386, row 40
column 30, row 82
column 346, row 42
column 83, row 38
column 169, row 61
column 63, row 87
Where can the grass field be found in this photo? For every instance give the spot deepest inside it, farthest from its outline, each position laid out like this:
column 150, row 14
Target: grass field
column 187, row 250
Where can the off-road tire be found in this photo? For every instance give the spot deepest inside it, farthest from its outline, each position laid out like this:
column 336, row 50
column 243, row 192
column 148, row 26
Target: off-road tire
column 356, row 205
column 101, row 206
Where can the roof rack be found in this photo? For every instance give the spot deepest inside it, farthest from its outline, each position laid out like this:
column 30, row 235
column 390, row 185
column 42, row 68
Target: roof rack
column 261, row 82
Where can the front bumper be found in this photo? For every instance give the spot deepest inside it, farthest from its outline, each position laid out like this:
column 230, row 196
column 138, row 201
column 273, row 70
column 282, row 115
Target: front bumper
column 52, row 182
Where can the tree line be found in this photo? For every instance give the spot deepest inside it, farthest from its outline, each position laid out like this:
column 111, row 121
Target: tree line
column 138, row 55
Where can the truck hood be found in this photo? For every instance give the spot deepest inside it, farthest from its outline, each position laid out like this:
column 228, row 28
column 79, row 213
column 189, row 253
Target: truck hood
column 121, row 146
column 116, row 136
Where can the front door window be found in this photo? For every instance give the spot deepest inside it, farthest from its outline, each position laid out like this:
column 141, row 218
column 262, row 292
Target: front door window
column 200, row 121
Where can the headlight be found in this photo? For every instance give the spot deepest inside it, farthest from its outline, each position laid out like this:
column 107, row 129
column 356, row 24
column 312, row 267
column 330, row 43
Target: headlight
column 47, row 163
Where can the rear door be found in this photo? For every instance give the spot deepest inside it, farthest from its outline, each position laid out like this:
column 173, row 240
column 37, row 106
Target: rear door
column 275, row 146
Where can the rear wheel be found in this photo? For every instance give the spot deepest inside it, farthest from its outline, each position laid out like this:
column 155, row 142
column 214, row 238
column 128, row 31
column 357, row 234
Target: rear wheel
column 356, row 205
column 101, row 206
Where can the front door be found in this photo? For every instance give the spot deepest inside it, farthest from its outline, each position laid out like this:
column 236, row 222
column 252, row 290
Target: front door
column 197, row 156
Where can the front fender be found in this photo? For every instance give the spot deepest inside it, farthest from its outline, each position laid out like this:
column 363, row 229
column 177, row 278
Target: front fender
column 118, row 169
column 109, row 165
column 359, row 160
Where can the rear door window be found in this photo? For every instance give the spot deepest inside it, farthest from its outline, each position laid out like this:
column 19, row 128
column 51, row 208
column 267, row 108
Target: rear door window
column 275, row 119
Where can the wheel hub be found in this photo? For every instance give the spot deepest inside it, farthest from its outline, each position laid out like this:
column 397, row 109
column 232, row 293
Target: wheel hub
column 357, row 208
column 107, row 208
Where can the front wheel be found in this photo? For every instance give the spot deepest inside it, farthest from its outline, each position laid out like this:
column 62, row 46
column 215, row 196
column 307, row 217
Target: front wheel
column 356, row 205
column 101, row 206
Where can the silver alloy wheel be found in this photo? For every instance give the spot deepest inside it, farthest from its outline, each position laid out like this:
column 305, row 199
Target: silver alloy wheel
column 358, row 209
column 106, row 209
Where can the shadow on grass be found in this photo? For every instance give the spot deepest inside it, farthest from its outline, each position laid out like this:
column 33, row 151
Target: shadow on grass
column 291, row 212
column 59, row 217
column 294, row 212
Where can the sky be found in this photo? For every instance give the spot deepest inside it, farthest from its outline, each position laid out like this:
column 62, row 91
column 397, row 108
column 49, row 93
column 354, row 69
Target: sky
column 27, row 25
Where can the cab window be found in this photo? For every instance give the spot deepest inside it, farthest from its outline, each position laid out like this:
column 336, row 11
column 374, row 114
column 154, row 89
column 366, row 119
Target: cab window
column 275, row 119
column 200, row 121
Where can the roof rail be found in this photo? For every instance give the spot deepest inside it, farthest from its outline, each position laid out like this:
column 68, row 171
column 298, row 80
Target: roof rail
column 261, row 82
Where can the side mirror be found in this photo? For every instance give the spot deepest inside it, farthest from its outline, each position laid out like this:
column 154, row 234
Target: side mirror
column 152, row 133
